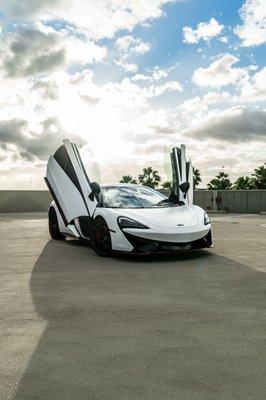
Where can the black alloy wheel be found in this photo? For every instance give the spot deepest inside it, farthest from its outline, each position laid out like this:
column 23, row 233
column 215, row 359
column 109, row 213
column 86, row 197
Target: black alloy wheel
column 101, row 238
column 53, row 225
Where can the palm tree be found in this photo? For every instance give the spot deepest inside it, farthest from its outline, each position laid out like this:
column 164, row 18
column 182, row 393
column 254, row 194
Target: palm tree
column 127, row 179
column 259, row 177
column 196, row 177
column 244, row 183
column 167, row 185
column 220, row 182
column 149, row 177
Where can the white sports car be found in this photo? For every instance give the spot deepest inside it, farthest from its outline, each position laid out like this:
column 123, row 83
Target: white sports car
column 124, row 218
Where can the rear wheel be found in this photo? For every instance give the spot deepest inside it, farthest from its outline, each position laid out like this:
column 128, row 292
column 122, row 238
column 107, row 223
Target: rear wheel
column 53, row 225
column 101, row 238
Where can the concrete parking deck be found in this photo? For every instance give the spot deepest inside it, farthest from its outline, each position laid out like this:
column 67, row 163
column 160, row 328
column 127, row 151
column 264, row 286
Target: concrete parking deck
column 74, row 326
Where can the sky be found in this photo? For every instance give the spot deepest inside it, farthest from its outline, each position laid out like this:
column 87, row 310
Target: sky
column 127, row 80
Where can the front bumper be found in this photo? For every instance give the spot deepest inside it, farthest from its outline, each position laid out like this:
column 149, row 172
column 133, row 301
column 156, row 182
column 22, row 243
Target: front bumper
column 149, row 246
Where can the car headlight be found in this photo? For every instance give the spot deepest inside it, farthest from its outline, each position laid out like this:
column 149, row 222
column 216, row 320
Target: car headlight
column 125, row 222
column 206, row 219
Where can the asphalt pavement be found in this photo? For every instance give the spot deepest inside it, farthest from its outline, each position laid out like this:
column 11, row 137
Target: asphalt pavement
column 75, row 326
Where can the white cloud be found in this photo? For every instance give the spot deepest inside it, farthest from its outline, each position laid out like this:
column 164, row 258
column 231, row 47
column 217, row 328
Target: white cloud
column 236, row 124
column 160, row 73
column 127, row 94
column 97, row 19
column 254, row 89
column 221, row 72
column 34, row 49
column 152, row 125
column 252, row 32
column 224, row 39
column 196, row 104
column 170, row 86
column 31, row 145
column 127, row 47
column 46, row 106
column 192, row 109
column 157, row 75
column 204, row 31
column 130, row 45
column 216, row 97
column 127, row 66
column 42, row 99
column 83, row 51
column 141, row 78
column 197, row 107
column 139, row 132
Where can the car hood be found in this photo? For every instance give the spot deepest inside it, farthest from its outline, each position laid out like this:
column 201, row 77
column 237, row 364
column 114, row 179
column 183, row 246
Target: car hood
column 165, row 217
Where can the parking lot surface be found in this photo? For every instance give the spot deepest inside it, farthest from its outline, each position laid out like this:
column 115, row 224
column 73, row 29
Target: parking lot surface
column 75, row 326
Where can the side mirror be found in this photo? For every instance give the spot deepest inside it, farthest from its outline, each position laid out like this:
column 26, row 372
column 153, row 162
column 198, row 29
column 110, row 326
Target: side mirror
column 184, row 187
column 95, row 190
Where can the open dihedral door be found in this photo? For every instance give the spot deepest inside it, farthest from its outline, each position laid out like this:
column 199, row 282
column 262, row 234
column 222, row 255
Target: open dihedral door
column 182, row 175
column 69, row 184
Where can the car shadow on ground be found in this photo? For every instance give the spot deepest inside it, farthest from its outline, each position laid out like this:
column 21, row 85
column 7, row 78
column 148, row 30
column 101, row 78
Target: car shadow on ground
column 188, row 326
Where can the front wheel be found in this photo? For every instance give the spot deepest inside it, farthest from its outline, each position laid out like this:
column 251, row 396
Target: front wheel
column 53, row 225
column 101, row 238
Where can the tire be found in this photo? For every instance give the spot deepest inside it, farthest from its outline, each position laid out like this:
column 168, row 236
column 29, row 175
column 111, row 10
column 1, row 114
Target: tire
column 53, row 225
column 101, row 238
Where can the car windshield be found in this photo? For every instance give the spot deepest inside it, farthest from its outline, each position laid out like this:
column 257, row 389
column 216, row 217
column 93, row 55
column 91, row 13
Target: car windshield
column 133, row 197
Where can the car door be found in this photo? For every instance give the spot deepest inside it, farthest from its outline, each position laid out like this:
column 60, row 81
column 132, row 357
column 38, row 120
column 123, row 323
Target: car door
column 182, row 173
column 69, row 184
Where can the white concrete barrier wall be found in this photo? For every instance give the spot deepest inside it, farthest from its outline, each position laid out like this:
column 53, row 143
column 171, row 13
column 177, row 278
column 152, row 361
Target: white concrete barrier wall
column 24, row 200
column 236, row 201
